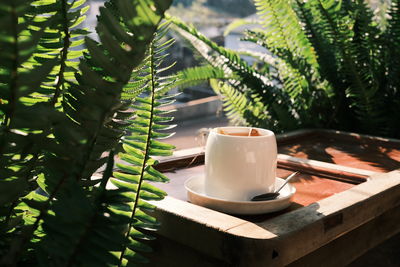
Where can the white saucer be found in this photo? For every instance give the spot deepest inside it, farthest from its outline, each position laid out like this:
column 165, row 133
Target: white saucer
column 196, row 195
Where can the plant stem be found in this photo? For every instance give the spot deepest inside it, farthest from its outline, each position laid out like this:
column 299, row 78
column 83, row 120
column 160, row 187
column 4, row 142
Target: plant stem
column 64, row 52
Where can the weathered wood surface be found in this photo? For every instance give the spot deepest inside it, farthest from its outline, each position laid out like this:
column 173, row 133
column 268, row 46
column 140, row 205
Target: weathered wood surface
column 285, row 238
column 323, row 168
column 347, row 149
column 302, row 236
column 350, row 246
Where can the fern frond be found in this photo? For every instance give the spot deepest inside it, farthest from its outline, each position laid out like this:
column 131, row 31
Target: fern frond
column 137, row 169
column 392, row 48
column 250, row 81
column 335, row 23
column 283, row 31
column 60, row 37
column 269, row 60
column 368, row 53
column 391, row 84
column 197, row 75
column 87, row 126
column 297, row 77
column 91, row 227
column 118, row 62
column 224, row 59
column 21, row 138
column 333, row 65
column 239, row 23
column 316, row 30
column 235, row 103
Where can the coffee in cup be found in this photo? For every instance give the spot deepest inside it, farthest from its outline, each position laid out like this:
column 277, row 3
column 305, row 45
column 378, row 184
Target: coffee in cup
column 249, row 133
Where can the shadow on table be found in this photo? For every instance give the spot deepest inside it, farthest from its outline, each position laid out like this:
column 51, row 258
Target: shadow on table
column 353, row 152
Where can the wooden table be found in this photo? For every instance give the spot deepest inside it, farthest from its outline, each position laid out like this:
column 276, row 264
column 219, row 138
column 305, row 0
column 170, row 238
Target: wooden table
column 347, row 201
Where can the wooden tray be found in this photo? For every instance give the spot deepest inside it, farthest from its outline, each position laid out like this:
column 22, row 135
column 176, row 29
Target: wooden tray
column 347, row 149
column 310, row 188
column 333, row 204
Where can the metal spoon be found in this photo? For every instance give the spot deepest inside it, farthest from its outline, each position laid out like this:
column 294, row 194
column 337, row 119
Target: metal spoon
column 273, row 195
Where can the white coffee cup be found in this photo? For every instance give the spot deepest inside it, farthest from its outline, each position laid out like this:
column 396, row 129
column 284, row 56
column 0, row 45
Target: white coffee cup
column 240, row 167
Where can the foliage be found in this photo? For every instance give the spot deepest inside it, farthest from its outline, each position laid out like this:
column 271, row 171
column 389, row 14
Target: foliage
column 63, row 116
column 330, row 64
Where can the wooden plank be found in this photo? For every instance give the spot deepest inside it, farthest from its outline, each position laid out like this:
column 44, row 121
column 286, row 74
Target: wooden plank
column 329, row 170
column 304, row 230
column 170, row 253
column 352, row 136
column 339, row 252
column 348, row 149
column 210, row 218
column 199, row 228
column 297, row 135
column 283, row 239
column 176, row 163
column 348, row 247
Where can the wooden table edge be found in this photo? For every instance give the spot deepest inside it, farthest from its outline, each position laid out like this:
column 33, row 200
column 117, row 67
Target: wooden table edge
column 294, row 234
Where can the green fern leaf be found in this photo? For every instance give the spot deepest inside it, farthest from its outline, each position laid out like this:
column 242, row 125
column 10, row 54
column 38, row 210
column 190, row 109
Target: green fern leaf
column 139, row 146
column 76, row 134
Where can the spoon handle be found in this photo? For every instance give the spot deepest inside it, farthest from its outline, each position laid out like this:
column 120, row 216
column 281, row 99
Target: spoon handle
column 287, row 181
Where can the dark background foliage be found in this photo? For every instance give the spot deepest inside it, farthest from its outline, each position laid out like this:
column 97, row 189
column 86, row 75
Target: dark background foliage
column 329, row 64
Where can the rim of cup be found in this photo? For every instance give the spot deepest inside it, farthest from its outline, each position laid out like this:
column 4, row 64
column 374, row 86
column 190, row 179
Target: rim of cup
column 264, row 132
